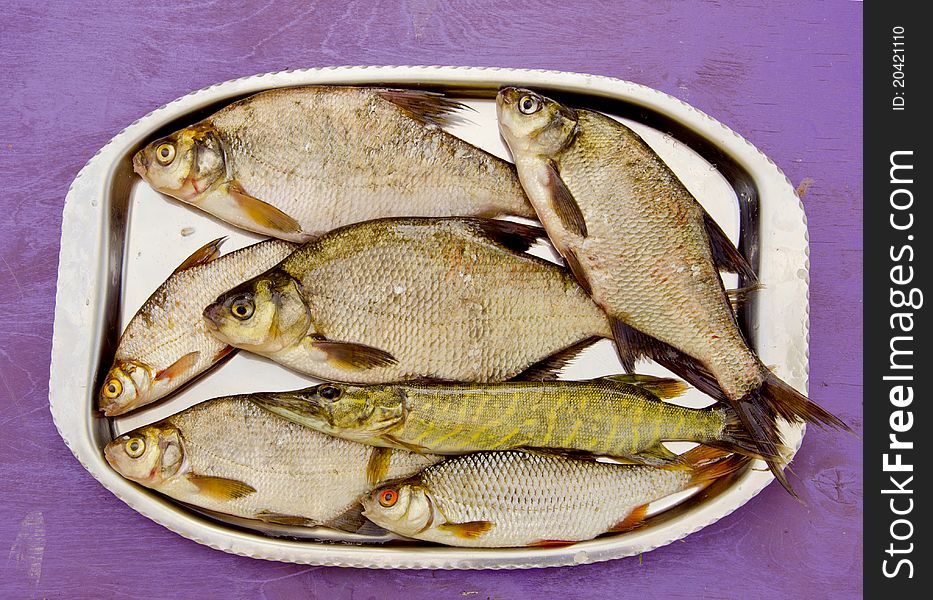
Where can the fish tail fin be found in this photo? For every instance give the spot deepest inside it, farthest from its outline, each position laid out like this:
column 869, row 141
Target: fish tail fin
column 735, row 437
column 791, row 405
column 707, row 463
column 759, row 421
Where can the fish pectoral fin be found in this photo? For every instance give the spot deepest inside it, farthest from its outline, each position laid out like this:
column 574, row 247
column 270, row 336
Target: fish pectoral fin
column 378, row 465
column 347, row 355
column 427, row 108
column 282, row 519
column 549, row 368
column 353, row 521
column 725, row 254
column 391, row 439
column 634, row 519
column 659, row 456
column 573, row 263
column 179, row 367
column 261, row 213
column 226, row 351
column 202, row 255
column 517, row 237
column 470, row 530
column 565, row 205
column 662, row 387
column 221, row 488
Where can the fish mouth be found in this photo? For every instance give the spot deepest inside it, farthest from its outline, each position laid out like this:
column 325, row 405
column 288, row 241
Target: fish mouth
column 212, row 317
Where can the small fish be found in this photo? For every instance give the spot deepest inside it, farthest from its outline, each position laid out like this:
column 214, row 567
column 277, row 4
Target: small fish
column 230, row 456
column 166, row 345
column 400, row 299
column 296, row 162
column 507, row 499
column 617, row 416
column 649, row 254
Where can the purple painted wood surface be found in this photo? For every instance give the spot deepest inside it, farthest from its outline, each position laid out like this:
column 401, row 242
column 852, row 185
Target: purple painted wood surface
column 787, row 76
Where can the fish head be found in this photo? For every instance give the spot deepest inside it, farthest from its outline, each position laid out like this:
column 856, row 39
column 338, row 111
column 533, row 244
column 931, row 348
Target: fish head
column 355, row 411
column 534, row 124
column 128, row 385
column 150, row 455
column 263, row 315
column 405, row 508
column 184, row 164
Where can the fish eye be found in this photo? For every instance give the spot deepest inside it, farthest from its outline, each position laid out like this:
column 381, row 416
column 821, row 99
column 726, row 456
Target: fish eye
column 113, row 388
column 165, row 154
column 329, row 392
column 135, row 447
column 242, row 308
column 529, row 105
column 388, row 498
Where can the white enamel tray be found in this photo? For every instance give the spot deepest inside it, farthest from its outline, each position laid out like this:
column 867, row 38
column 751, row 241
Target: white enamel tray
column 120, row 240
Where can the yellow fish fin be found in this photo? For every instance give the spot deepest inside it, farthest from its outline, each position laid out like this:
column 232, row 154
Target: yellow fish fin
column 659, row 456
column 662, row 387
column 378, row 466
column 347, row 355
column 179, row 367
column 220, row 488
column 470, row 530
column 261, row 213
column 391, row 439
column 202, row 255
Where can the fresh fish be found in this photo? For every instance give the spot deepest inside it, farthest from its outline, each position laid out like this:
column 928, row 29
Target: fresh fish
column 294, row 163
column 618, row 416
column 504, row 499
column 230, row 456
column 166, row 345
column 650, row 255
column 403, row 299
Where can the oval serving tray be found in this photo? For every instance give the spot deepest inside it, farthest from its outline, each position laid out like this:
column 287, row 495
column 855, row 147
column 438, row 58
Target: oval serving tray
column 121, row 239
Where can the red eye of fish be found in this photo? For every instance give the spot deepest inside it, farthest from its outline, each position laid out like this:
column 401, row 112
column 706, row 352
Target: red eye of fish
column 388, row 498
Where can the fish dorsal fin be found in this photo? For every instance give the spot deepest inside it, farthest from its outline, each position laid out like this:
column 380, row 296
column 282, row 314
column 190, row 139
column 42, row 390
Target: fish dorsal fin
column 202, row 255
column 427, row 108
column 221, row 488
column 517, row 237
column 470, row 530
column 261, row 213
column 282, row 519
column 565, row 205
column 662, row 387
column 179, row 367
column 725, row 254
column 573, row 263
column 632, row 520
column 550, row 367
column 378, row 465
column 349, row 355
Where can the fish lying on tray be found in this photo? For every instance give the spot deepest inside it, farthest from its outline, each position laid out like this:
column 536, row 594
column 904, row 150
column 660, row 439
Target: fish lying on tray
column 617, row 416
column 401, row 299
column 165, row 344
column 503, row 499
column 230, row 456
column 297, row 162
column 649, row 254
